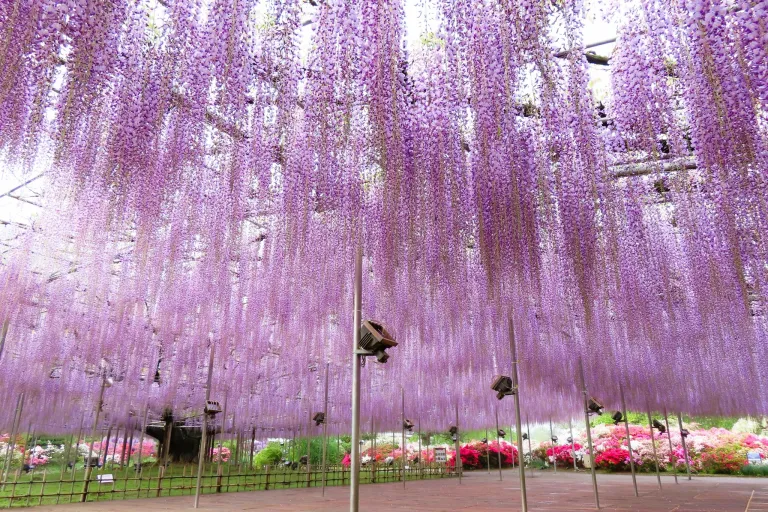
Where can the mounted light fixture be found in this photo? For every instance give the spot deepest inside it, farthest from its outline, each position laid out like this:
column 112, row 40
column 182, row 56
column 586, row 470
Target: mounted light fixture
column 617, row 417
column 525, row 436
column 684, row 432
column 319, row 418
column 659, row 426
column 594, row 407
column 408, row 425
column 569, row 440
column 501, row 433
column 454, row 431
column 502, row 385
column 484, row 440
column 212, row 407
column 375, row 340
column 554, row 439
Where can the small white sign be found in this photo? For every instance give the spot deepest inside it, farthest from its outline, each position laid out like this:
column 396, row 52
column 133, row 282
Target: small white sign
column 441, row 457
column 105, row 479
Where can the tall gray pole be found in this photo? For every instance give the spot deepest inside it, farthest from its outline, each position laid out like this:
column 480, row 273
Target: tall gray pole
column 88, row 465
column 458, row 465
column 14, row 433
column 518, row 420
column 685, row 446
column 629, row 438
column 201, row 455
column 354, row 480
column 669, row 437
column 402, row 428
column 528, row 430
column 653, row 445
column 141, row 437
column 573, row 443
column 498, row 442
column 325, row 429
column 552, row 438
column 589, row 434
column 487, row 452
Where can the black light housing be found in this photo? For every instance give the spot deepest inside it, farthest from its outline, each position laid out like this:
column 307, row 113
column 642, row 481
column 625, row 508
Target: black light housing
column 212, row 407
column 569, row 440
column 501, row 433
column 594, row 407
column 375, row 340
column 659, row 426
column 684, row 432
column 617, row 417
column 554, row 439
column 484, row 440
column 525, row 436
column 502, row 385
column 453, row 430
column 319, row 418
column 408, row 425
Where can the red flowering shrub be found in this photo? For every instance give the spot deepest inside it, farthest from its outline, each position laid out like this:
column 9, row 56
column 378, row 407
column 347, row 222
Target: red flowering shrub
column 613, row 459
column 562, row 453
column 728, row 459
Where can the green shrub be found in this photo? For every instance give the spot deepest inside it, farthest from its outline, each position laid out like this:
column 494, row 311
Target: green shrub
column 269, row 456
column 750, row 470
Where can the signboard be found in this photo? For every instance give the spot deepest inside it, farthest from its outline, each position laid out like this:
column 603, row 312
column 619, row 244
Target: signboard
column 754, row 458
column 440, row 456
column 105, row 479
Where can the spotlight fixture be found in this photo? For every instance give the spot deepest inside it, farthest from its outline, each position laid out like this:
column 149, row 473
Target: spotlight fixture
column 287, row 463
column 484, row 440
column 554, row 439
column 525, row 436
column 408, row 425
column 303, row 459
column 453, row 430
column 319, row 418
column 502, row 385
column 594, row 407
column 569, row 440
column 375, row 340
column 212, row 407
column 501, row 433
column 617, row 417
column 684, row 433
column 659, row 426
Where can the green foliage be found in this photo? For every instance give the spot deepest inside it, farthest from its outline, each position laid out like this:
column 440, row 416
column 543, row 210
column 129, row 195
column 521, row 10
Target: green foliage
column 269, row 456
column 635, row 418
column 707, row 422
column 334, row 454
column 752, row 470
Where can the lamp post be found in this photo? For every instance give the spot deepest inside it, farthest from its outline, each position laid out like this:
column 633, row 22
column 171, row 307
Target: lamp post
column 105, row 383
column 653, row 445
column 201, row 455
column 552, row 438
column 589, row 434
column 671, row 451
column 325, row 428
column 685, row 446
column 354, row 476
column 518, row 420
column 629, row 438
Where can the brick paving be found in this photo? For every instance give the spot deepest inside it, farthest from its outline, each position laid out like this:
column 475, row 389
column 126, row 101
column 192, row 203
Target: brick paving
column 479, row 492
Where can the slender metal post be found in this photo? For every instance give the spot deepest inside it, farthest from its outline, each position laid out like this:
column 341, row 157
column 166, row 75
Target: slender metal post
column 685, row 446
column 3, row 333
column 653, row 445
column 528, row 430
column 552, row 438
column 487, row 452
column 518, row 419
column 457, row 462
column 354, row 480
column 421, row 459
column 629, row 438
column 89, row 466
column 402, row 429
column 201, row 455
column 498, row 441
column 511, row 429
column 589, row 434
column 325, row 428
column 253, row 445
column 141, row 436
column 573, row 443
column 669, row 437
column 221, row 437
column 14, row 433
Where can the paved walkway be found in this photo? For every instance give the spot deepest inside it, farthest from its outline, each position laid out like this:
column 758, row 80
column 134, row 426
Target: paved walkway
column 479, row 492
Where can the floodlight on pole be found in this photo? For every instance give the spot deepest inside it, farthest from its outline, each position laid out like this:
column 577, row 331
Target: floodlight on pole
column 318, row 418
column 503, row 386
column 375, row 340
column 594, row 407
column 659, row 426
column 617, row 417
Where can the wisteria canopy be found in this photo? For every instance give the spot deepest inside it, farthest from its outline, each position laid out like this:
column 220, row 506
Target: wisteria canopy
column 212, row 167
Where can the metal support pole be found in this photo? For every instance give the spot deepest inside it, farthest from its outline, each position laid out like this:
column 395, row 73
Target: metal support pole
column 653, row 445
column 201, row 455
column 253, row 445
column 141, row 436
column 528, row 430
column 669, row 438
column 629, row 438
column 589, row 434
column 552, row 438
column 487, row 452
column 402, row 428
column 518, row 419
column 498, row 441
column 89, row 466
column 685, row 446
column 457, row 457
column 421, row 459
column 573, row 443
column 14, row 433
column 354, row 480
column 325, row 428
